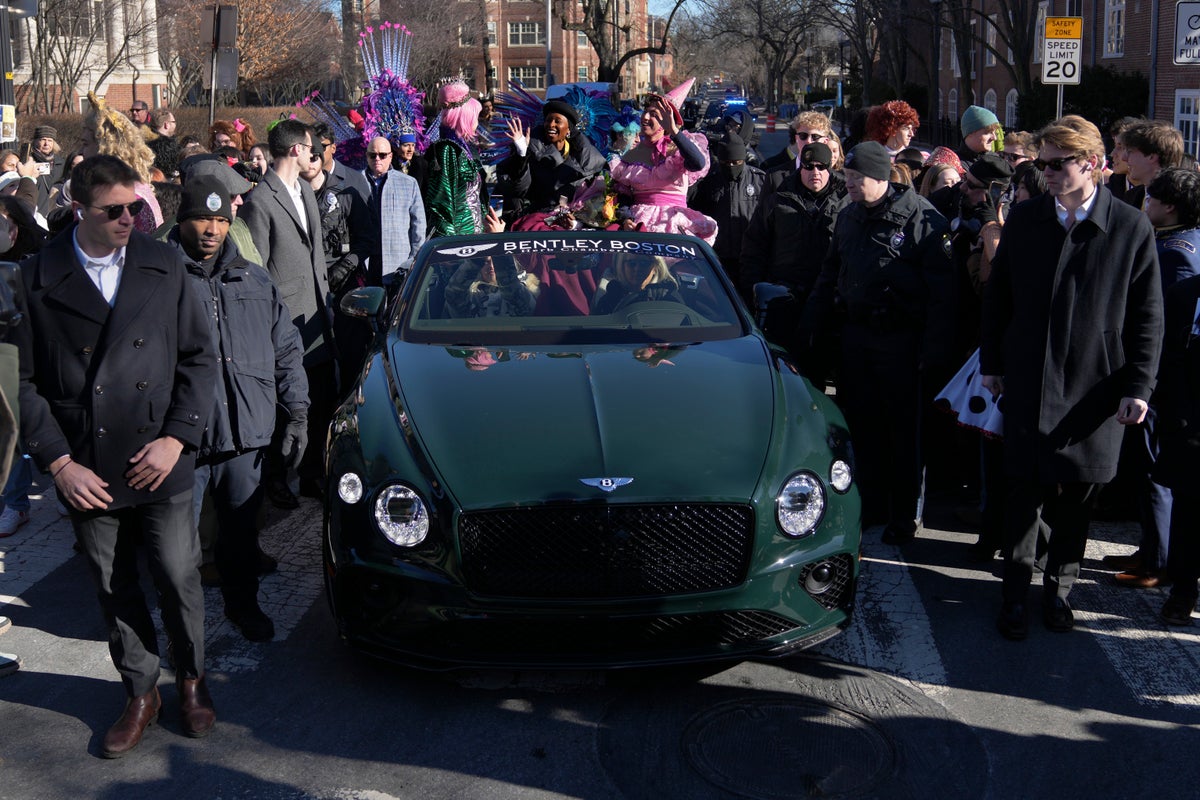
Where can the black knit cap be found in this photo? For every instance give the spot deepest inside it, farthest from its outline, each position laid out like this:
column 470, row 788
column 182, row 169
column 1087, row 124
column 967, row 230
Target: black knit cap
column 816, row 153
column 204, row 196
column 731, row 148
column 871, row 159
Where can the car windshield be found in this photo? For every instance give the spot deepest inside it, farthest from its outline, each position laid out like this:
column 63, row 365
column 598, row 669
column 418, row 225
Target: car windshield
column 567, row 287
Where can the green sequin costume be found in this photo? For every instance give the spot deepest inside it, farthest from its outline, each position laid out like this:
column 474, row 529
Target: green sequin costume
column 454, row 193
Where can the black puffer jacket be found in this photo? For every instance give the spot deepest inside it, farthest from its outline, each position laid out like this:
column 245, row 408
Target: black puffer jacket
column 543, row 174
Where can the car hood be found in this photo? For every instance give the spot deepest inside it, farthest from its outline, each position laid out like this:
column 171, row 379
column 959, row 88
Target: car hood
column 502, row 427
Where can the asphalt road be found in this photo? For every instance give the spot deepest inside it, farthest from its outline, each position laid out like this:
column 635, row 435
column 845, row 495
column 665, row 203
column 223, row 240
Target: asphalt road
column 921, row 698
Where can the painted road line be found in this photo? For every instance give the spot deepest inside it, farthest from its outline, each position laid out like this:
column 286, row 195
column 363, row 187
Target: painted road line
column 891, row 631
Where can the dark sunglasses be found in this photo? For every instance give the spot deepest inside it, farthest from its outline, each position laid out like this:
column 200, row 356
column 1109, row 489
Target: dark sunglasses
column 1054, row 164
column 137, row 110
column 378, row 155
column 815, row 166
column 804, row 136
column 115, row 211
column 1013, row 158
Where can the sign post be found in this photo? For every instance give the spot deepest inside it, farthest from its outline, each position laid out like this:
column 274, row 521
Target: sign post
column 1187, row 33
column 1062, row 54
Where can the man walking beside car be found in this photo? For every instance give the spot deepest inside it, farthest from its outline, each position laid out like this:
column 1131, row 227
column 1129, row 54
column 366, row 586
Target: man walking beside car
column 282, row 215
column 116, row 371
column 1072, row 328
column 261, row 370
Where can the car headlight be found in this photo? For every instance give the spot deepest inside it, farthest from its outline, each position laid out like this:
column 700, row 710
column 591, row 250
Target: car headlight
column 801, row 504
column 840, row 477
column 350, row 488
column 401, row 516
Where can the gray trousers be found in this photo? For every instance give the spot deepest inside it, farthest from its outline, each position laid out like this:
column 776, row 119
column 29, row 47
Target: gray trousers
column 109, row 541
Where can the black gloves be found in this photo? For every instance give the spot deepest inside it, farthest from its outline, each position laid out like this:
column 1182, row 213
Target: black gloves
column 295, row 439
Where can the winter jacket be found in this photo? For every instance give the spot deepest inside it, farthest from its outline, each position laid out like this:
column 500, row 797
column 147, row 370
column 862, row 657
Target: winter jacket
column 259, row 354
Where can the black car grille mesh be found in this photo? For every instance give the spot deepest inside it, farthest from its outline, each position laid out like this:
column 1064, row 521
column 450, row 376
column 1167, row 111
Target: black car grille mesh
column 840, row 591
column 587, row 637
column 606, row 551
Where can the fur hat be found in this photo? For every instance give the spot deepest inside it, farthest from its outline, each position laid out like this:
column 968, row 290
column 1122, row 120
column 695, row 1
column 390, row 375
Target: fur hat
column 45, row 132
column 871, row 159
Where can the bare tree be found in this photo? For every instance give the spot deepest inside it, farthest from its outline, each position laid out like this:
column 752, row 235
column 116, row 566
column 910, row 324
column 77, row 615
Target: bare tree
column 779, row 31
column 612, row 33
column 858, row 23
column 445, row 38
column 72, row 43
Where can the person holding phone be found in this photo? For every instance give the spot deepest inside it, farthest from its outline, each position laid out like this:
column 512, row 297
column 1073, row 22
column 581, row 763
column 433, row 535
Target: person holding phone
column 47, row 157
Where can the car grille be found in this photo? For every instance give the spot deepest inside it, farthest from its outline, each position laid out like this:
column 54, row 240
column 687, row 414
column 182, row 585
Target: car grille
column 674, row 634
column 606, row 551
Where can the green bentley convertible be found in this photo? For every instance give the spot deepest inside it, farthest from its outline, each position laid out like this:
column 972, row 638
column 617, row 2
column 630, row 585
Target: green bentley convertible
column 574, row 449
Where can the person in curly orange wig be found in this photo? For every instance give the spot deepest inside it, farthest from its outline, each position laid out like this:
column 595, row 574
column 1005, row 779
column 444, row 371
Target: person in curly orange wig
column 893, row 125
column 236, row 133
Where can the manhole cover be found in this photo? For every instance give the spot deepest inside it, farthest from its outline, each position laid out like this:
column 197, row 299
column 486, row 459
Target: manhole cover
column 778, row 748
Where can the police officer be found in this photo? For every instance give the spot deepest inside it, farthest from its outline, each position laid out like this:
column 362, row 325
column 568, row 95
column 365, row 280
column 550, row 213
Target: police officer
column 889, row 264
column 730, row 195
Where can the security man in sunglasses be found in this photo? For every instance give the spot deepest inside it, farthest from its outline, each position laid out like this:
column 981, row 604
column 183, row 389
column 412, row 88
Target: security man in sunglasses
column 117, row 374
column 785, row 243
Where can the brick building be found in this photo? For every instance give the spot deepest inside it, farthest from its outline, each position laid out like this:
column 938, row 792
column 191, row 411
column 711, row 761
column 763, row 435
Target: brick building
column 517, row 29
column 1125, row 35
column 113, row 45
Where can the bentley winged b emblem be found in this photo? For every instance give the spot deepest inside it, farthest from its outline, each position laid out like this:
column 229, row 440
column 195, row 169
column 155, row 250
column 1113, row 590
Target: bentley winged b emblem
column 606, row 484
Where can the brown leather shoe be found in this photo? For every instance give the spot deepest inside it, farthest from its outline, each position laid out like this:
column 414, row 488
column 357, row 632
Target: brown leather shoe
column 125, row 734
column 1141, row 580
column 196, row 707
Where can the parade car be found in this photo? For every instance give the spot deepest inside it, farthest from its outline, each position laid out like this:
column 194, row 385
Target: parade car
column 575, row 449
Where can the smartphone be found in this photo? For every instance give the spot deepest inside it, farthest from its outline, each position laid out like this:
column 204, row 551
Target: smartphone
column 496, row 201
column 26, row 152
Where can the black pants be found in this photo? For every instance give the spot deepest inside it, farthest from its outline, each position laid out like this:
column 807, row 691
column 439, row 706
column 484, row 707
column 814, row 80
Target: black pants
column 109, row 541
column 1183, row 564
column 1066, row 509
column 879, row 390
column 234, row 482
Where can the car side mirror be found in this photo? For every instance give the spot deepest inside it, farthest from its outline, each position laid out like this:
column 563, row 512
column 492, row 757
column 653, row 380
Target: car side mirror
column 364, row 303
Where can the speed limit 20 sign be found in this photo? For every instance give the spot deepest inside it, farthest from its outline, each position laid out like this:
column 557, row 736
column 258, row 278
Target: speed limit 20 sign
column 1062, row 53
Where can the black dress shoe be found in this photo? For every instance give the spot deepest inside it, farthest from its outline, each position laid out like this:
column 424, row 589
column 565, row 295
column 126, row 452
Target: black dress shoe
column 1013, row 622
column 312, row 487
column 1057, row 616
column 281, row 495
column 266, row 564
column 126, row 733
column 251, row 621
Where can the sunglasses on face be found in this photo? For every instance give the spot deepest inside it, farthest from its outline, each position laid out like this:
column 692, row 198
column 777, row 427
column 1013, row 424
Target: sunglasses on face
column 1013, row 158
column 378, row 155
column 1054, row 164
column 815, row 167
column 115, row 211
column 804, row 136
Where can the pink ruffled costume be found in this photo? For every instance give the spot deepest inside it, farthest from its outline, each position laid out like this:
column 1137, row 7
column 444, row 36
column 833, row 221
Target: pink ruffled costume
column 660, row 190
